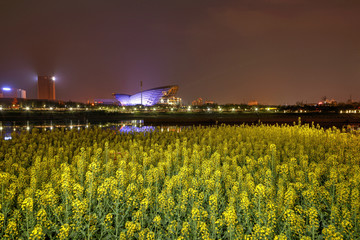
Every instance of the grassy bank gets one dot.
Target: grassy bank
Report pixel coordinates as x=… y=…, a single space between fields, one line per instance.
x=184 y=118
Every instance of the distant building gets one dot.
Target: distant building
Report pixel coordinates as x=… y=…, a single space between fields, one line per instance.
x=106 y=101
x=253 y=103
x=197 y=102
x=46 y=87
x=327 y=102
x=160 y=95
x=209 y=102
x=21 y=93
x=201 y=102
x=7 y=92
x=170 y=100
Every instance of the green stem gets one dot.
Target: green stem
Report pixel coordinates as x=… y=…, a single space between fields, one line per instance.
x=89 y=211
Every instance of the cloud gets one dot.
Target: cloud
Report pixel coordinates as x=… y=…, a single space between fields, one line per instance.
x=279 y=16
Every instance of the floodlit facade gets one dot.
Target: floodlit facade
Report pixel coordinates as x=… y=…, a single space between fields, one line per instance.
x=7 y=92
x=171 y=101
x=149 y=97
x=46 y=87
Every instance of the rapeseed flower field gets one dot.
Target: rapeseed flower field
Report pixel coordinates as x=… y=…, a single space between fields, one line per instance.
x=221 y=182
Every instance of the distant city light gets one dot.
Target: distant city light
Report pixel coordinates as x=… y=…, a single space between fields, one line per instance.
x=27 y=108
x=51 y=108
x=53 y=78
x=6 y=89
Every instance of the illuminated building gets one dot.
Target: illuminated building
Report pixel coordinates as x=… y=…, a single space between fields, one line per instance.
x=253 y=103
x=106 y=101
x=197 y=102
x=170 y=101
x=201 y=102
x=160 y=95
x=7 y=92
x=46 y=87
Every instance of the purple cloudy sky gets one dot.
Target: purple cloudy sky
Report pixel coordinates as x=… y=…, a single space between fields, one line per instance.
x=273 y=51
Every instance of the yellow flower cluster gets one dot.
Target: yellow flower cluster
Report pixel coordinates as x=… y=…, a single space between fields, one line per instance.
x=37 y=233
x=2 y=218
x=64 y=232
x=11 y=231
x=221 y=182
x=331 y=233
x=108 y=221
x=27 y=204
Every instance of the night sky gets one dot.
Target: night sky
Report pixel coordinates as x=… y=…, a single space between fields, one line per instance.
x=272 y=51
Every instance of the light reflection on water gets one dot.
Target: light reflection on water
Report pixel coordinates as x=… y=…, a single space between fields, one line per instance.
x=128 y=126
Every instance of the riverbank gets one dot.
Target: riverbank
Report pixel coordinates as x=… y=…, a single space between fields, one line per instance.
x=184 y=118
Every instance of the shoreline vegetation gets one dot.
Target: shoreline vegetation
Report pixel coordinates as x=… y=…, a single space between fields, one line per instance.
x=167 y=118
